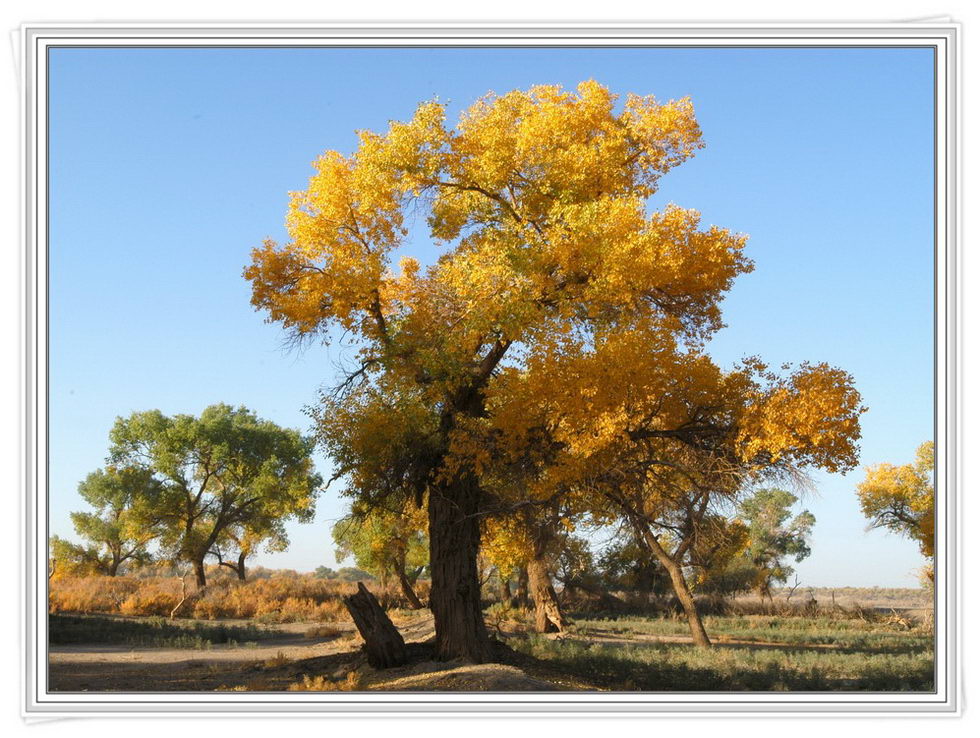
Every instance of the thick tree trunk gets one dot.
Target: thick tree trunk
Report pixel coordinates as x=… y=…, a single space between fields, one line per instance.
x=548 y=617
x=199 y=575
x=679 y=584
x=413 y=599
x=454 y=542
x=240 y=570
x=383 y=644
x=113 y=568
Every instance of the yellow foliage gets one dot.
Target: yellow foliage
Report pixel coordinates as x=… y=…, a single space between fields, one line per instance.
x=560 y=331
x=902 y=498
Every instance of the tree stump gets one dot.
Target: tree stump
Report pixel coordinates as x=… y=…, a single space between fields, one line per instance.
x=383 y=644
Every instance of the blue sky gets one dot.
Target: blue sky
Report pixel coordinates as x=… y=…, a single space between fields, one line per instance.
x=169 y=165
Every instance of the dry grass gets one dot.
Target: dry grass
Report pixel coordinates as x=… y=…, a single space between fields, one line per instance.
x=320 y=683
x=324 y=631
x=280 y=659
x=277 y=599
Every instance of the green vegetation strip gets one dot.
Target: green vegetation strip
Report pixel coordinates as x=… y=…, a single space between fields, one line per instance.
x=867 y=661
x=150 y=632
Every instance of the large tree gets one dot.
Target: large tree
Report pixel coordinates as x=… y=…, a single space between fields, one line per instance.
x=537 y=199
x=903 y=499
x=222 y=472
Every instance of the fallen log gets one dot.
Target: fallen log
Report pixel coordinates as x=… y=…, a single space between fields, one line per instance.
x=383 y=644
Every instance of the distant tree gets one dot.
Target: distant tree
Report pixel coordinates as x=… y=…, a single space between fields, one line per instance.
x=774 y=537
x=117 y=531
x=73 y=559
x=324 y=572
x=239 y=542
x=222 y=472
x=625 y=565
x=391 y=545
x=903 y=499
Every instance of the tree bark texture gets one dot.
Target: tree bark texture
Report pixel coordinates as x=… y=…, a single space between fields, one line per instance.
x=454 y=542
x=505 y=593
x=521 y=598
x=199 y=575
x=548 y=617
x=383 y=644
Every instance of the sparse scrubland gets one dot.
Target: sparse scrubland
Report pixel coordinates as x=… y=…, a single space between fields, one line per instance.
x=289 y=632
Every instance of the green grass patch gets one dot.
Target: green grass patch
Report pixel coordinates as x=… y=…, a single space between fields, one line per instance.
x=154 y=632
x=819 y=654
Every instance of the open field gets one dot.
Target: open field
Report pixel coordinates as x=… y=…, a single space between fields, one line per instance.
x=884 y=647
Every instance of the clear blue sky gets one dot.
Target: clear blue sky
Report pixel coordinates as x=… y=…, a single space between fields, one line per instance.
x=168 y=166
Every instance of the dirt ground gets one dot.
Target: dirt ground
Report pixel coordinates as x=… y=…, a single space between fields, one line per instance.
x=273 y=664
x=285 y=658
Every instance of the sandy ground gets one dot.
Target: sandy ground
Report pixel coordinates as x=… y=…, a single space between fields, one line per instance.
x=272 y=665
x=275 y=663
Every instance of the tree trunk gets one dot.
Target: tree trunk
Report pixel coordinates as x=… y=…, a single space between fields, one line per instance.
x=113 y=567
x=505 y=594
x=681 y=590
x=240 y=570
x=199 y=575
x=522 y=585
x=413 y=599
x=454 y=542
x=383 y=644
x=548 y=617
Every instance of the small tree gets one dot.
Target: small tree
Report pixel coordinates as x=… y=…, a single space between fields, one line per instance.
x=774 y=537
x=219 y=473
x=116 y=531
x=532 y=539
x=903 y=499
x=388 y=545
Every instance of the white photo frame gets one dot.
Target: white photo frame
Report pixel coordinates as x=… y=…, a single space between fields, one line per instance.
x=943 y=37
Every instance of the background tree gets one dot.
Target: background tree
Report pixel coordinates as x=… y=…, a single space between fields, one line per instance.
x=224 y=471
x=774 y=537
x=717 y=554
x=343 y=574
x=625 y=565
x=903 y=499
x=238 y=542
x=72 y=559
x=533 y=539
x=390 y=545
x=117 y=531
x=662 y=439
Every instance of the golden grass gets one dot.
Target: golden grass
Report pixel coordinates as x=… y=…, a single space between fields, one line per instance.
x=275 y=599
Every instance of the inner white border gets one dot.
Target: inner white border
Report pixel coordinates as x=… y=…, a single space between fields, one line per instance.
x=37 y=38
